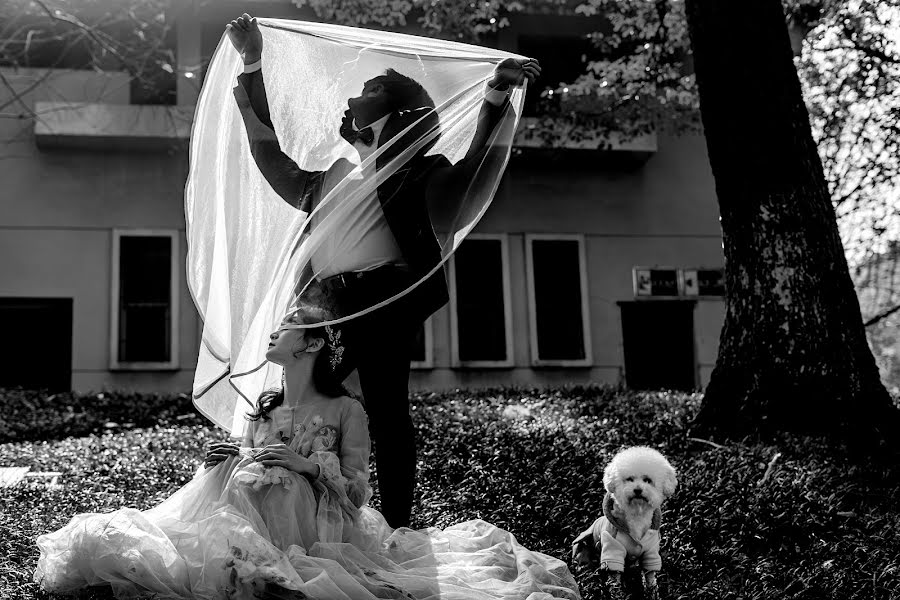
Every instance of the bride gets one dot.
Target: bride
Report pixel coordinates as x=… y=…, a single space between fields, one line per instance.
x=285 y=514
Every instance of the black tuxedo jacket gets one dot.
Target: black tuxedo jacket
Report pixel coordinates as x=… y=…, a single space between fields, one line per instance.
x=404 y=196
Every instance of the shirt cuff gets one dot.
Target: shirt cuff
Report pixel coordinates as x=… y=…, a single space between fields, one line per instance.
x=254 y=66
x=495 y=96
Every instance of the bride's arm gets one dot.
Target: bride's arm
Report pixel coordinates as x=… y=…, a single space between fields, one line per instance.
x=354 y=453
x=247 y=440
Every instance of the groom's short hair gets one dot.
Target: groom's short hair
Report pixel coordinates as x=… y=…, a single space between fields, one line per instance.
x=405 y=92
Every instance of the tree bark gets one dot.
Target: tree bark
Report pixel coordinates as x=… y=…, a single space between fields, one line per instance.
x=793 y=354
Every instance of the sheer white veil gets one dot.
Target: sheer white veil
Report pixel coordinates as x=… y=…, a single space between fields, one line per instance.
x=252 y=255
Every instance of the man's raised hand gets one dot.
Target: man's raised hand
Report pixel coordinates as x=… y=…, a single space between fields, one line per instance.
x=515 y=71
x=246 y=38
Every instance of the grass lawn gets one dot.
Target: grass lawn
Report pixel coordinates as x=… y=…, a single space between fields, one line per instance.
x=818 y=526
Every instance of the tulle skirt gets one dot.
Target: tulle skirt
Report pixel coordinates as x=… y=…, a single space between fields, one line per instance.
x=236 y=531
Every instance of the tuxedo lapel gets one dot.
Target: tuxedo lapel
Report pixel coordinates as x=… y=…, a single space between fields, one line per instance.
x=402 y=194
x=402 y=198
x=425 y=120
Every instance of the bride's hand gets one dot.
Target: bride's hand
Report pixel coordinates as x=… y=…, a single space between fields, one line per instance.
x=219 y=451
x=279 y=455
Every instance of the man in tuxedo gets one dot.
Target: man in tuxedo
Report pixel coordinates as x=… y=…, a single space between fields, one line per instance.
x=391 y=239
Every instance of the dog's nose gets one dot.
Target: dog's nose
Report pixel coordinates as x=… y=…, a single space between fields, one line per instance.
x=638 y=491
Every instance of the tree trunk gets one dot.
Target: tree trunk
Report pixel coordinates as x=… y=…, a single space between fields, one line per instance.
x=793 y=354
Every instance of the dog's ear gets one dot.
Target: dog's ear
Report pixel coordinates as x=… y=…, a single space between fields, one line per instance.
x=670 y=481
x=610 y=478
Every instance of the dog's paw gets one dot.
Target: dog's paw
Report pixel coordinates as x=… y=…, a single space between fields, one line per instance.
x=584 y=558
x=615 y=588
x=651 y=590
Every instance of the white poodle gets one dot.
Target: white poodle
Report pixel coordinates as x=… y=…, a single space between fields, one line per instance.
x=637 y=480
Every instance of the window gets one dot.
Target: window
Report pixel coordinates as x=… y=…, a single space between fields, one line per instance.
x=671 y=282
x=658 y=282
x=704 y=282
x=144 y=300
x=423 y=347
x=558 y=301
x=480 y=317
x=563 y=60
x=35 y=325
x=44 y=43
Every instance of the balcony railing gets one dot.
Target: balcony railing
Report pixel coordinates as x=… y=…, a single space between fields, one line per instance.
x=111 y=126
x=130 y=126
x=534 y=132
x=82 y=109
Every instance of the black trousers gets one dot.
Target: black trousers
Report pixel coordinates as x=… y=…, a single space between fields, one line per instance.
x=379 y=346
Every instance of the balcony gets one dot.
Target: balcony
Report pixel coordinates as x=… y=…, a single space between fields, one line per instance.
x=585 y=130
x=83 y=109
x=87 y=110
x=100 y=126
x=531 y=129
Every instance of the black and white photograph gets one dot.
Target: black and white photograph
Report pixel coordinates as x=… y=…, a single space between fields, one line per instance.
x=450 y=299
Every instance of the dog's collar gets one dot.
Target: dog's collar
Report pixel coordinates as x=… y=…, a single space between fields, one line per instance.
x=609 y=506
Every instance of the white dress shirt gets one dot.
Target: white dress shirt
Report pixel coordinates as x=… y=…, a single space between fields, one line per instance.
x=364 y=240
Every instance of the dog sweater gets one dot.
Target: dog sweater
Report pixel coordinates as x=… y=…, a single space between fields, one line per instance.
x=611 y=537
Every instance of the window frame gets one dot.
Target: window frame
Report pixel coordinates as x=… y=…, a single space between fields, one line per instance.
x=455 y=361
x=536 y=360
x=698 y=295
x=428 y=363
x=174 y=290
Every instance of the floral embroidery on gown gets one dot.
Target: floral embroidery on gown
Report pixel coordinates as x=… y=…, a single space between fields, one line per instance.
x=242 y=530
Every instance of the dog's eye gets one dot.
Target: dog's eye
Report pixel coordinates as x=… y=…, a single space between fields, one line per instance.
x=629 y=479
x=648 y=480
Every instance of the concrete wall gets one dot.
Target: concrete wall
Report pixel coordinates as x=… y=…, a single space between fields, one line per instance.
x=661 y=214
x=57 y=213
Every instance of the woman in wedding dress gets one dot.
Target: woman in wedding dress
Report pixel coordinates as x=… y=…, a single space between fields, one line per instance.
x=285 y=514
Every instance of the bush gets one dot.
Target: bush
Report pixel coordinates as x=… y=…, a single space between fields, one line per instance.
x=35 y=415
x=793 y=517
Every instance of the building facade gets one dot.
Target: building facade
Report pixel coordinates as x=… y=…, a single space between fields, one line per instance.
x=589 y=265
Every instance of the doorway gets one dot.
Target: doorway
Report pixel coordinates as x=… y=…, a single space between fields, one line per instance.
x=658 y=341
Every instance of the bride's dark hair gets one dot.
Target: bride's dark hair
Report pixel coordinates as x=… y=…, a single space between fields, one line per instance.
x=323 y=376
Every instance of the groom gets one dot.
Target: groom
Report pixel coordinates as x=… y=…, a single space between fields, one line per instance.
x=393 y=246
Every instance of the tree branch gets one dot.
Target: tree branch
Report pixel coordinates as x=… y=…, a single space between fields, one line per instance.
x=881 y=316
x=58 y=15
x=869 y=50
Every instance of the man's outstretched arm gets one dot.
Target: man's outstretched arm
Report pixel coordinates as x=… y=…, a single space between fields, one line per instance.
x=289 y=181
x=512 y=72
x=495 y=120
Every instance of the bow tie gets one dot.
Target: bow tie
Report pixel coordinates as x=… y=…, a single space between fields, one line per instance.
x=364 y=135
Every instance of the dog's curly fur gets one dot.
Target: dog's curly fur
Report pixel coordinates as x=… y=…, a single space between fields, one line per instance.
x=637 y=480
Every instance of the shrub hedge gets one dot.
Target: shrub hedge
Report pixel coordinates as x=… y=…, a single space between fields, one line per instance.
x=35 y=415
x=793 y=517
